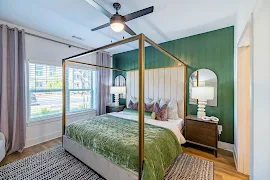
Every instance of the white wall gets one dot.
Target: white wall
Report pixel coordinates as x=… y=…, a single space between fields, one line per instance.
x=43 y=50
x=260 y=161
x=42 y=131
x=245 y=8
x=244 y=11
x=260 y=45
x=46 y=51
x=50 y=52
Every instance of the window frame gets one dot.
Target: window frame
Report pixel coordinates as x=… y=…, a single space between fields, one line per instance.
x=56 y=117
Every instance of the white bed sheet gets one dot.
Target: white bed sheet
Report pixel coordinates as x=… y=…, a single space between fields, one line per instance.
x=175 y=126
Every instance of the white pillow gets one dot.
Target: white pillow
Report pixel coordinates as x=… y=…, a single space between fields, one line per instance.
x=172 y=110
x=149 y=101
x=134 y=99
x=162 y=102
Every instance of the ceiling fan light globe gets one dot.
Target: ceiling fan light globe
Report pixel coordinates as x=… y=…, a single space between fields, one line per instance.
x=117 y=26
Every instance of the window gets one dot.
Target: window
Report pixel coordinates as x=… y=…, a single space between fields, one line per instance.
x=80 y=90
x=45 y=90
x=39 y=70
x=52 y=71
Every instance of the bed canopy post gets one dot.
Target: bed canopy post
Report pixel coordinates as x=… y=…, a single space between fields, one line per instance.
x=141 y=61
x=63 y=98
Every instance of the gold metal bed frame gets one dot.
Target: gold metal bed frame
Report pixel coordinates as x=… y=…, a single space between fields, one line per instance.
x=141 y=64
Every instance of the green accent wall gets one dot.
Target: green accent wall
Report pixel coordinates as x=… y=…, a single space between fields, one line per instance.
x=212 y=50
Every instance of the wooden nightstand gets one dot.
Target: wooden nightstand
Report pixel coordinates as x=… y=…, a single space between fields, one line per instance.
x=201 y=132
x=112 y=108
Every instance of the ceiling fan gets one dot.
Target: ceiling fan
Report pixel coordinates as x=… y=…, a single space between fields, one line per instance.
x=117 y=21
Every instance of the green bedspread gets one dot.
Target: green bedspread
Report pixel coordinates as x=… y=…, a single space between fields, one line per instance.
x=117 y=140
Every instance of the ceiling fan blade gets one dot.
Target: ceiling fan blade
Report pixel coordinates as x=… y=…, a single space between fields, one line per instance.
x=99 y=7
x=129 y=31
x=100 y=27
x=140 y=13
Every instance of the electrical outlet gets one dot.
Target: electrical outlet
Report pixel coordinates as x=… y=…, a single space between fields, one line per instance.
x=219 y=129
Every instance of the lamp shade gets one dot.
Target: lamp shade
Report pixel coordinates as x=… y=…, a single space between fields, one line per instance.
x=116 y=90
x=123 y=89
x=202 y=93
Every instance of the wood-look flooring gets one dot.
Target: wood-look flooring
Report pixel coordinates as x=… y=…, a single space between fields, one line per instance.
x=224 y=167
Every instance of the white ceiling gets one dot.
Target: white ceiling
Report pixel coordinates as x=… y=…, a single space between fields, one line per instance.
x=171 y=19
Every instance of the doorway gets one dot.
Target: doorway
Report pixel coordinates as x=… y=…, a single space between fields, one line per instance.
x=244 y=101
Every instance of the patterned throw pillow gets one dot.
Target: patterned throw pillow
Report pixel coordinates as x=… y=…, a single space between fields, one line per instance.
x=148 y=107
x=132 y=105
x=161 y=112
x=173 y=110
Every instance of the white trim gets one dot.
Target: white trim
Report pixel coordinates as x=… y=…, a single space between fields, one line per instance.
x=226 y=146
x=48 y=63
x=243 y=131
x=235 y=157
x=44 y=120
x=59 y=118
x=46 y=136
x=38 y=140
x=56 y=64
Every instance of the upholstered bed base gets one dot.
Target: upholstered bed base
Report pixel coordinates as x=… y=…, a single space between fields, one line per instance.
x=98 y=163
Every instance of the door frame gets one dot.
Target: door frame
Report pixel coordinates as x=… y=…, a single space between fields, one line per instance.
x=243 y=164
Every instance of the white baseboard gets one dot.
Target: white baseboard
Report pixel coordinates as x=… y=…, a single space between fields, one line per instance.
x=35 y=141
x=235 y=157
x=226 y=146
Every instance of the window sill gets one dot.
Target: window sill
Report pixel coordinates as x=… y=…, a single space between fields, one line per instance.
x=59 y=118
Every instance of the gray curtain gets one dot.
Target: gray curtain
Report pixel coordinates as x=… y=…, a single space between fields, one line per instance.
x=103 y=96
x=12 y=88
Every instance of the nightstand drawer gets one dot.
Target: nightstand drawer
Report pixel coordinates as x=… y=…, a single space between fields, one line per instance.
x=201 y=135
x=201 y=124
x=201 y=131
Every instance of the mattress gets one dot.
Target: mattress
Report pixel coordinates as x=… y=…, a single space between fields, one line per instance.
x=116 y=139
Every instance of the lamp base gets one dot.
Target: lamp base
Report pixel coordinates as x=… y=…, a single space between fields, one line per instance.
x=201 y=108
x=116 y=99
x=200 y=114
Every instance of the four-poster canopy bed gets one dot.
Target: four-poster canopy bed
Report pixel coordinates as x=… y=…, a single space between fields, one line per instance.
x=99 y=162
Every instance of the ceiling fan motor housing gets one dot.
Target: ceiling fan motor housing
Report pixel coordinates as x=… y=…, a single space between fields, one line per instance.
x=116 y=18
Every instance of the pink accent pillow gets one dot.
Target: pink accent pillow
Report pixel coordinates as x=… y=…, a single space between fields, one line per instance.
x=161 y=113
x=132 y=105
x=148 y=107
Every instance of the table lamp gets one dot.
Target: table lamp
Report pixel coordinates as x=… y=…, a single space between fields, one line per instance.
x=116 y=90
x=124 y=90
x=202 y=94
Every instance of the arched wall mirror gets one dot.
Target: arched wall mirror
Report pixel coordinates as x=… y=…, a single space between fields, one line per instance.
x=120 y=80
x=201 y=78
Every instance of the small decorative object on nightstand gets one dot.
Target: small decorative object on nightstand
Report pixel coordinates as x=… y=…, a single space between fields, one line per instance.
x=113 y=108
x=201 y=132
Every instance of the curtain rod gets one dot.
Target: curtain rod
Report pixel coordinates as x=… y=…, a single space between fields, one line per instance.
x=31 y=34
x=55 y=41
x=61 y=42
